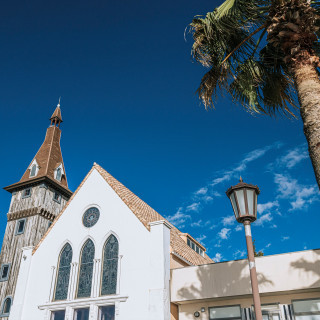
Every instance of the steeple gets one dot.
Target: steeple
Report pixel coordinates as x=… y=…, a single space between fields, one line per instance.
x=48 y=163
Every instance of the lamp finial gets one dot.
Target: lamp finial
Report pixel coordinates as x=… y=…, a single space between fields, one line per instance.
x=241 y=179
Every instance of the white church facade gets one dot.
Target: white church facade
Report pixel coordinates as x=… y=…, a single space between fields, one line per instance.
x=103 y=253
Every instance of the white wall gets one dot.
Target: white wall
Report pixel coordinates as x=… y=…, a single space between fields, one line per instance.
x=136 y=246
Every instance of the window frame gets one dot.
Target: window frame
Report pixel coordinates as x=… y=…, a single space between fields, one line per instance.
x=3 y=305
x=75 y=310
x=17 y=226
x=24 y=196
x=304 y=313
x=8 y=273
x=59 y=197
x=53 y=311
x=227 y=306
x=35 y=171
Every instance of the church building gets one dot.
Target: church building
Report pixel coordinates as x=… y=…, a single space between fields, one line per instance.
x=101 y=253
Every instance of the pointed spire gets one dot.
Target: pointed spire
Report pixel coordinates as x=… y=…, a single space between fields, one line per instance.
x=56 y=117
x=240 y=179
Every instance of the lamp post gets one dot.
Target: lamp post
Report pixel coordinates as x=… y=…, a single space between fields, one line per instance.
x=243 y=199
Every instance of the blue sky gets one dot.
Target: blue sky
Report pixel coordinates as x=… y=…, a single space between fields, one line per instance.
x=128 y=85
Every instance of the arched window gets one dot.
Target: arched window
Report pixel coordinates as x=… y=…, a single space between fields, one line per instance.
x=110 y=266
x=58 y=174
x=86 y=270
x=33 y=170
x=63 y=276
x=6 y=306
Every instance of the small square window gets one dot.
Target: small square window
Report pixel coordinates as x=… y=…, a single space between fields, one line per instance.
x=4 y=272
x=81 y=314
x=57 y=197
x=106 y=313
x=26 y=193
x=20 y=226
x=58 y=315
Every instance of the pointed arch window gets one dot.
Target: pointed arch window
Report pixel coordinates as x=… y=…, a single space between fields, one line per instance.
x=6 y=306
x=63 y=276
x=110 y=266
x=86 y=270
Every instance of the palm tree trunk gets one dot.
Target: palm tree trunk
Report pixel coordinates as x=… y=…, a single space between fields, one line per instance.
x=308 y=88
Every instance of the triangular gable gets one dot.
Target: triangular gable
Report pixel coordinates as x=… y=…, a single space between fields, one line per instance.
x=144 y=213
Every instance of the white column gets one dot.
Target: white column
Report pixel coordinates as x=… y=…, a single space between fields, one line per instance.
x=22 y=283
x=73 y=280
x=53 y=281
x=159 y=296
x=95 y=278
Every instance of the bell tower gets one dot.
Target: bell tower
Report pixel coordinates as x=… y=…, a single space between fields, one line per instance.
x=36 y=200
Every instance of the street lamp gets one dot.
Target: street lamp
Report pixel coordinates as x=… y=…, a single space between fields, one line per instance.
x=243 y=199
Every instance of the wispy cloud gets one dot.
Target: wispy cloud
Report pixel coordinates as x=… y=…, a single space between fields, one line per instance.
x=293 y=157
x=197 y=223
x=193 y=207
x=261 y=208
x=224 y=233
x=284 y=238
x=239 y=254
x=228 y=221
x=263 y=219
x=238 y=227
x=179 y=218
x=217 y=257
x=201 y=238
x=299 y=195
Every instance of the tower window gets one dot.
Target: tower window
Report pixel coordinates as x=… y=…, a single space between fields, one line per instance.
x=33 y=170
x=4 y=273
x=26 y=193
x=57 y=197
x=58 y=174
x=6 y=306
x=20 y=226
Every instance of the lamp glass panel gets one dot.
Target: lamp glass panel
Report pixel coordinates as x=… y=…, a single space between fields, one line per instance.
x=250 y=195
x=234 y=204
x=240 y=198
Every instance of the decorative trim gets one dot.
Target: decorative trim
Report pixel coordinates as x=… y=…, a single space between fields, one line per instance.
x=99 y=301
x=30 y=212
x=181 y=258
x=164 y=222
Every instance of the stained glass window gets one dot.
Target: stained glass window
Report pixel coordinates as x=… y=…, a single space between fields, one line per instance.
x=110 y=266
x=63 y=273
x=86 y=270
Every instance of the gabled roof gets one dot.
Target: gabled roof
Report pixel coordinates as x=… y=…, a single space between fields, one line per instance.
x=145 y=214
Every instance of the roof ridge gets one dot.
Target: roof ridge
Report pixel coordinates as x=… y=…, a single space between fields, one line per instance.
x=176 y=242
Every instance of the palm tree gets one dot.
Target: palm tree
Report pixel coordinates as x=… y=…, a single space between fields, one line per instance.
x=265 y=54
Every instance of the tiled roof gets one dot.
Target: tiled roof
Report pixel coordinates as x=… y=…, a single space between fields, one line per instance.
x=57 y=113
x=49 y=156
x=144 y=213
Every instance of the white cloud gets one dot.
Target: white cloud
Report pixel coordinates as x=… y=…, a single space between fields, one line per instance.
x=228 y=221
x=197 y=224
x=284 y=238
x=261 y=208
x=217 y=257
x=202 y=191
x=300 y=196
x=293 y=157
x=224 y=233
x=268 y=245
x=238 y=227
x=239 y=254
x=179 y=218
x=193 y=207
x=201 y=238
x=263 y=219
